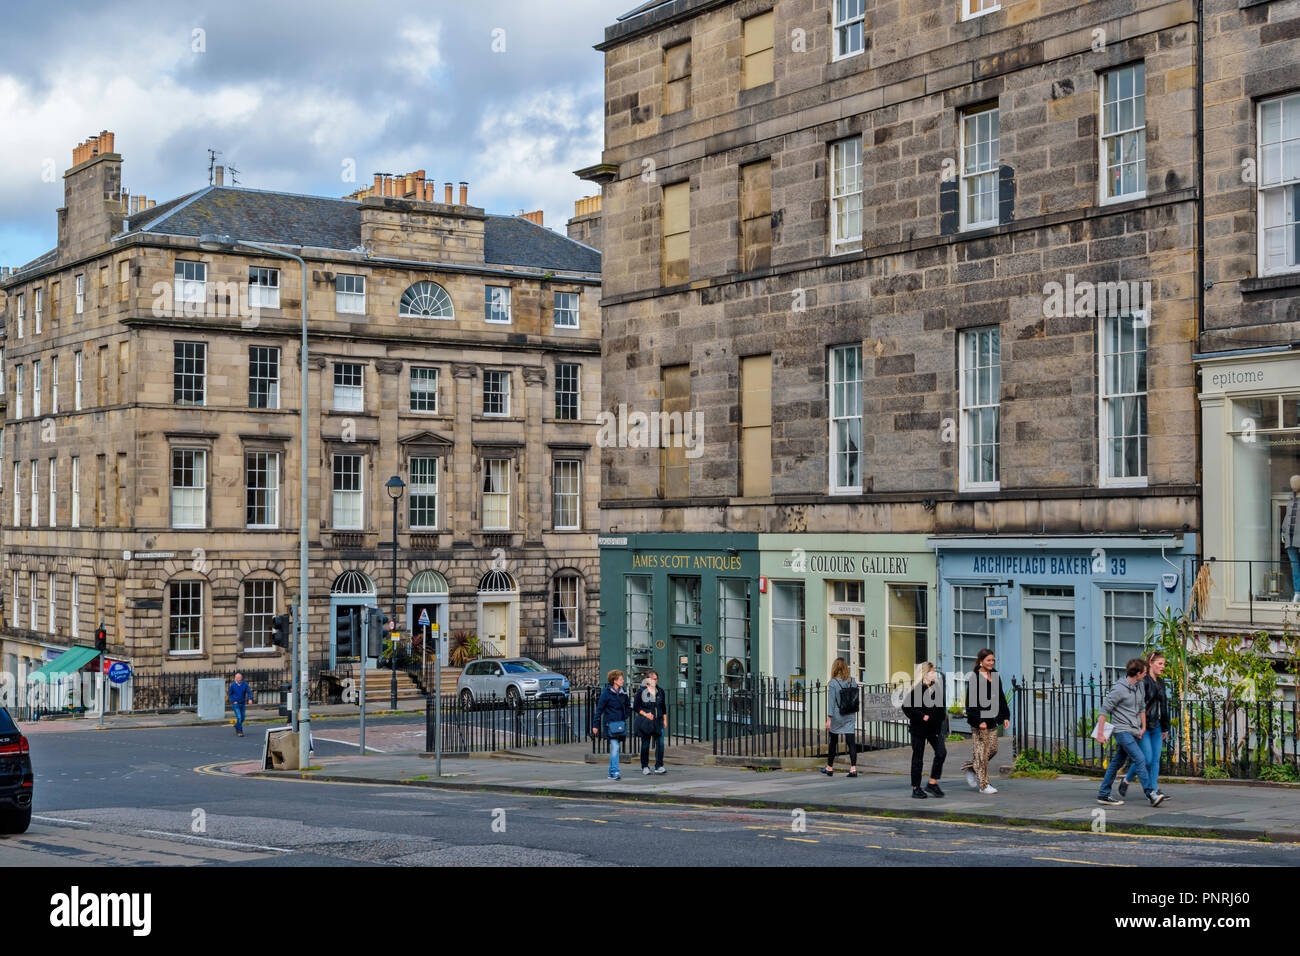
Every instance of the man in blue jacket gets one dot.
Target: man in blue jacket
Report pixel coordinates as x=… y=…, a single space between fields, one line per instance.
x=240 y=694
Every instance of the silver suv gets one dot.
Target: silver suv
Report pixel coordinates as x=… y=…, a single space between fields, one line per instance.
x=512 y=680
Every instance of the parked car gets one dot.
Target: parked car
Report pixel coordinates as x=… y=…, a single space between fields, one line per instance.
x=512 y=680
x=16 y=778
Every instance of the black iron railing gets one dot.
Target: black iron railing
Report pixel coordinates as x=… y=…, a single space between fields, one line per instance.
x=180 y=690
x=491 y=724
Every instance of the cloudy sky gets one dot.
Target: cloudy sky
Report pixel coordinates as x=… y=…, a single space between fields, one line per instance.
x=505 y=94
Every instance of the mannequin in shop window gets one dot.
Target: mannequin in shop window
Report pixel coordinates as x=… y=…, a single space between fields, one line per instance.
x=1291 y=536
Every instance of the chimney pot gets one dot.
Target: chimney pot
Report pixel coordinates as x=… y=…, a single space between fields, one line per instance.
x=464 y=193
x=447 y=194
x=408 y=185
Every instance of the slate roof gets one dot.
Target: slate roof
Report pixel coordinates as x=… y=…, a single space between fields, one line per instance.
x=643 y=8
x=325 y=223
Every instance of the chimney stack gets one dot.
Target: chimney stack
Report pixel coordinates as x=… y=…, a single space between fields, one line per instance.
x=220 y=174
x=447 y=196
x=533 y=216
x=464 y=193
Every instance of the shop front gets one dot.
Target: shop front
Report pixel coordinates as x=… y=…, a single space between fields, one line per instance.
x=868 y=598
x=1056 y=610
x=1250 y=426
x=682 y=605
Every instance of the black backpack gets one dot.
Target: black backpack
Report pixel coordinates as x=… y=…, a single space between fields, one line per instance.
x=848 y=699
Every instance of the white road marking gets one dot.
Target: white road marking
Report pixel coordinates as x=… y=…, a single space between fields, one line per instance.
x=348 y=743
x=166 y=833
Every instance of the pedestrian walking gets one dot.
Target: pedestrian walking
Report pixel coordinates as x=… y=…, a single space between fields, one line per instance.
x=650 y=706
x=611 y=717
x=240 y=694
x=927 y=723
x=1157 y=726
x=1125 y=705
x=986 y=707
x=842 y=696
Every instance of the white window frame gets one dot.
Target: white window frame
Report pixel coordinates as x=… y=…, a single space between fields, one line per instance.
x=350 y=294
x=502 y=375
x=557 y=598
x=54 y=492
x=19 y=385
x=576 y=392
x=190 y=283
x=38 y=308
x=54 y=385
x=977 y=173
x=199 y=467
x=273 y=387
x=79 y=291
x=194 y=352
x=356 y=496
x=1266 y=187
x=422 y=486
x=35 y=516
x=348 y=397
x=36 y=388
x=1138 y=130
x=20 y=311
x=18 y=493
x=839 y=413
x=502 y=492
x=188 y=584
x=76 y=391
x=15 y=614
x=52 y=603
x=967 y=408
x=76 y=492
x=842 y=20
x=1105 y=396
x=1108 y=595
x=33 y=602
x=271 y=489
x=558 y=496
x=845 y=171
x=263 y=610
x=496 y=304
x=263 y=287
x=567 y=304
x=967 y=14
x=74 y=605
x=428 y=388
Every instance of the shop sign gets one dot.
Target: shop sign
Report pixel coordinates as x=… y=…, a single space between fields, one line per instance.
x=846 y=564
x=842 y=607
x=687 y=562
x=1062 y=564
x=996 y=606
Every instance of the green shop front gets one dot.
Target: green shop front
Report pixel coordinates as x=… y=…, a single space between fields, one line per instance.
x=681 y=605
x=869 y=598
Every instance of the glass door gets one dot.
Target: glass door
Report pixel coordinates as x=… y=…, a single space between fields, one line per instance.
x=851 y=645
x=1049 y=635
x=686 y=692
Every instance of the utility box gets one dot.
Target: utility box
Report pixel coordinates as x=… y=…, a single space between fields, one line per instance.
x=281 y=750
x=286 y=699
x=212 y=698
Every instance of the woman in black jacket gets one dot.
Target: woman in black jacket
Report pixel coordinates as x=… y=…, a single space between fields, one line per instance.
x=927 y=722
x=650 y=707
x=1152 y=742
x=986 y=707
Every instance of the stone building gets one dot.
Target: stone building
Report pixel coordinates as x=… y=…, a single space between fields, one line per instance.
x=152 y=451
x=919 y=281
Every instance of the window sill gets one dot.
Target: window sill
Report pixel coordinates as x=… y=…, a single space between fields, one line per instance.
x=1268 y=283
x=1126 y=197
x=1125 y=483
x=967 y=17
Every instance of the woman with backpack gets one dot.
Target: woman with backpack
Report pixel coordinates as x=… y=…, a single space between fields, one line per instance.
x=615 y=707
x=927 y=723
x=841 y=716
x=650 y=705
x=986 y=707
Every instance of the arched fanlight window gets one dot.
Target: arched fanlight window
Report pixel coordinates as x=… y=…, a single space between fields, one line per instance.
x=426 y=300
x=353 y=582
x=428 y=582
x=496 y=582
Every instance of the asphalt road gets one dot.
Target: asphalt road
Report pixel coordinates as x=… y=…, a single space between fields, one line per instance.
x=137 y=797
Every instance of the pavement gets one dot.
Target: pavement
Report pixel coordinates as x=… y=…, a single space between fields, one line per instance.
x=256 y=715
x=1202 y=809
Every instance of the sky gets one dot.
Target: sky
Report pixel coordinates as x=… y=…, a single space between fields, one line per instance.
x=504 y=94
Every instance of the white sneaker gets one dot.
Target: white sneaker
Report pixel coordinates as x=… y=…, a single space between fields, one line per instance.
x=972 y=780
x=646 y=771
x=988 y=789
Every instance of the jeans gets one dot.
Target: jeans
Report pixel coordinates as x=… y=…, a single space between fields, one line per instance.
x=850 y=741
x=919 y=740
x=645 y=750
x=1126 y=743
x=615 y=744
x=239 y=707
x=1151 y=743
x=1294 y=555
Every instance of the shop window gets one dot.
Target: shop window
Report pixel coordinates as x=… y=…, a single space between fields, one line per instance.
x=909 y=633
x=734 y=631
x=639 y=625
x=1265 y=456
x=686 y=601
x=789 y=649
x=756 y=426
x=971 y=630
x=846 y=592
x=1127 y=616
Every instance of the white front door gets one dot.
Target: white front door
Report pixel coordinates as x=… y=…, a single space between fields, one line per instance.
x=496 y=624
x=851 y=645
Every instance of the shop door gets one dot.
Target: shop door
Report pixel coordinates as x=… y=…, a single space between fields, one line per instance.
x=1050 y=644
x=850 y=644
x=686 y=694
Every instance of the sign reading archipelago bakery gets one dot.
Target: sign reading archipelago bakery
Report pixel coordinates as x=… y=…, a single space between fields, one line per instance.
x=687 y=562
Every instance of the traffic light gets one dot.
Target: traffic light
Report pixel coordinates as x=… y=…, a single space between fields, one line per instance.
x=345 y=638
x=374 y=632
x=101 y=638
x=282 y=631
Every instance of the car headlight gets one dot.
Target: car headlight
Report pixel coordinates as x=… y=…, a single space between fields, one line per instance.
x=529 y=682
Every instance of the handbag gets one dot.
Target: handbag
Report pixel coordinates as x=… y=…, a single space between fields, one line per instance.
x=616 y=729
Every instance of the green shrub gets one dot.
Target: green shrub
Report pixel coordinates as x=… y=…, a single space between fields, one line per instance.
x=1280 y=773
x=1214 y=772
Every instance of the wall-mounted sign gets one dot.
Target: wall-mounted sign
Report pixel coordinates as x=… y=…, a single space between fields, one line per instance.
x=119 y=672
x=611 y=542
x=996 y=606
x=149 y=555
x=848 y=608
x=687 y=562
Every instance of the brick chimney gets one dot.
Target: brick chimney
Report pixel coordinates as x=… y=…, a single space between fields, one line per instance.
x=92 y=197
x=532 y=216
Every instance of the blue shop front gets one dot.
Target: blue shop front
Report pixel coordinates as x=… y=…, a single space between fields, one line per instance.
x=1056 y=609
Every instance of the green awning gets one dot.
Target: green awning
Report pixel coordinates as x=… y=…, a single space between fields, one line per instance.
x=69 y=662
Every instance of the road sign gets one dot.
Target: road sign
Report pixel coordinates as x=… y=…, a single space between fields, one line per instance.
x=424 y=617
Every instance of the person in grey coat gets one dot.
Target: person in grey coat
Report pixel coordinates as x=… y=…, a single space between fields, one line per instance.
x=839 y=723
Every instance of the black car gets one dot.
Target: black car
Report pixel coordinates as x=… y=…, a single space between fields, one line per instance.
x=16 y=778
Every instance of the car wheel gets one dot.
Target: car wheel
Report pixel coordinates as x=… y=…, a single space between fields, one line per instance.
x=16 y=821
x=466 y=700
x=512 y=697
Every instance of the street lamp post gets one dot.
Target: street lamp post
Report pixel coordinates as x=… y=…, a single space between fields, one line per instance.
x=395 y=487
x=213 y=243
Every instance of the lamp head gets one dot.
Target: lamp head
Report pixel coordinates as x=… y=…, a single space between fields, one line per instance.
x=396 y=487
